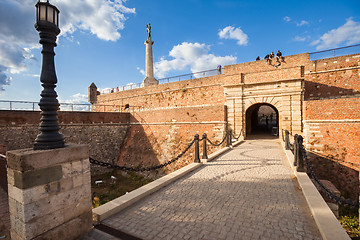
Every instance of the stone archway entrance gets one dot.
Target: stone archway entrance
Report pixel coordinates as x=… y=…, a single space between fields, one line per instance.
x=262 y=119
x=244 y=100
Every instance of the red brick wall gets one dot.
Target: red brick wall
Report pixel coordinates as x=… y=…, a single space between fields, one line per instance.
x=185 y=93
x=168 y=117
x=332 y=102
x=332 y=120
x=331 y=92
x=103 y=132
x=331 y=109
x=157 y=136
x=262 y=66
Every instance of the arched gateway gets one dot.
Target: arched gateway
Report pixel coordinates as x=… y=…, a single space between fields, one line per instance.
x=245 y=100
x=262 y=118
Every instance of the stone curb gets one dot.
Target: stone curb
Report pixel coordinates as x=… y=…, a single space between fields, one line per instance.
x=107 y=210
x=327 y=223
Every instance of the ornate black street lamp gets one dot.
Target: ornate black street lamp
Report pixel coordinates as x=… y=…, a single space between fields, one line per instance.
x=47 y=24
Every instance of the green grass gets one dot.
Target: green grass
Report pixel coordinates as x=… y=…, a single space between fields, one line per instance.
x=110 y=189
x=349 y=219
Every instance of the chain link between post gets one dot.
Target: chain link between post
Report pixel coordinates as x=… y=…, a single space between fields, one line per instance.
x=132 y=169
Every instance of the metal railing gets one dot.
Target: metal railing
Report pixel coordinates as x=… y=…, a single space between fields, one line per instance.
x=83 y=107
x=334 y=52
x=188 y=76
x=34 y=106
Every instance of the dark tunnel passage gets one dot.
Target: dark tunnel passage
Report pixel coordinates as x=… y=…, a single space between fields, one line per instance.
x=262 y=119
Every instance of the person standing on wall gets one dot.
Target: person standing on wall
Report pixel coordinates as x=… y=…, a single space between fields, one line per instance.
x=219 y=69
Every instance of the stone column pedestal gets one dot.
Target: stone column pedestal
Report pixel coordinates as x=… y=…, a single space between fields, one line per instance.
x=149 y=70
x=50 y=193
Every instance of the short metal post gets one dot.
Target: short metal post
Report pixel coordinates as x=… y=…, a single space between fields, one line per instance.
x=230 y=138
x=227 y=138
x=204 y=155
x=300 y=160
x=287 y=140
x=296 y=149
x=197 y=156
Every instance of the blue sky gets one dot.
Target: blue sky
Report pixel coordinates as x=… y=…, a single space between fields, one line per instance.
x=102 y=41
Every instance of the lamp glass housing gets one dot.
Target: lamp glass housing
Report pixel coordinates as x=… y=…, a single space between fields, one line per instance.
x=47 y=12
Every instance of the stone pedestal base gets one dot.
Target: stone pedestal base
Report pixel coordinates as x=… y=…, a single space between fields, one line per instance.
x=50 y=193
x=148 y=81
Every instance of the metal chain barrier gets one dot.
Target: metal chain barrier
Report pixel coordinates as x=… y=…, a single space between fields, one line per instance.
x=197 y=155
x=330 y=194
x=131 y=169
x=237 y=138
x=216 y=145
x=299 y=152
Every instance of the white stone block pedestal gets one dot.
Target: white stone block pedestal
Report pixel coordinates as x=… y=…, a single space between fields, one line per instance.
x=50 y=193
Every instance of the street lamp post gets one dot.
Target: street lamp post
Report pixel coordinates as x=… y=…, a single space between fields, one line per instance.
x=47 y=24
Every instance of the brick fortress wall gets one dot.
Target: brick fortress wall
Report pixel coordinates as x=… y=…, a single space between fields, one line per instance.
x=326 y=111
x=103 y=132
x=167 y=118
x=332 y=120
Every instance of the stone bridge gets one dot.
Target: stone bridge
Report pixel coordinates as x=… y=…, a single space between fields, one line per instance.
x=248 y=192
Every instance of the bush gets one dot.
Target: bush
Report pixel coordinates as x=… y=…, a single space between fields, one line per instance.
x=351 y=225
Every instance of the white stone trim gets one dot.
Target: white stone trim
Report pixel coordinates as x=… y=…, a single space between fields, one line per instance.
x=333 y=70
x=177 y=123
x=332 y=121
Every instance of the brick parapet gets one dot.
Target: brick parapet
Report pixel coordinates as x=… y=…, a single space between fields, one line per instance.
x=263 y=66
x=347 y=61
x=172 y=87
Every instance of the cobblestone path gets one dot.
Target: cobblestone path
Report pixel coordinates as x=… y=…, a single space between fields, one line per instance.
x=247 y=193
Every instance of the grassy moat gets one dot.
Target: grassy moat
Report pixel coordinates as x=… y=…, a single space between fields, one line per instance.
x=114 y=184
x=349 y=219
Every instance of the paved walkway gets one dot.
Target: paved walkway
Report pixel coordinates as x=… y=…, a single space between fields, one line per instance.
x=247 y=193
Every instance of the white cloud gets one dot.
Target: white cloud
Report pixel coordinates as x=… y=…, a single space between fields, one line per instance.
x=75 y=103
x=4 y=79
x=230 y=32
x=302 y=23
x=301 y=39
x=287 y=19
x=103 y=18
x=142 y=71
x=348 y=33
x=77 y=98
x=193 y=55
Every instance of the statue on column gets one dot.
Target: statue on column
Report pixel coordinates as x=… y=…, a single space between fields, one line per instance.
x=148 y=29
x=149 y=65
